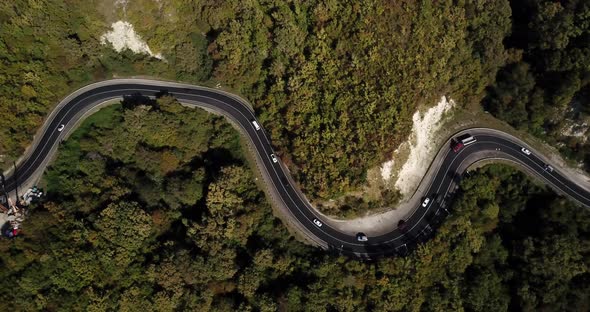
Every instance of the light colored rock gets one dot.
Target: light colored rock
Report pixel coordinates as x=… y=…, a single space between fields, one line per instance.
x=419 y=143
x=386 y=170
x=123 y=36
x=576 y=129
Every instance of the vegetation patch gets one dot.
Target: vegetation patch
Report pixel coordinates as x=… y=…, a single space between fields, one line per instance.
x=335 y=96
x=544 y=89
x=187 y=229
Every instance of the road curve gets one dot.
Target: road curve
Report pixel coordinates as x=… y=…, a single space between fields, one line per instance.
x=420 y=223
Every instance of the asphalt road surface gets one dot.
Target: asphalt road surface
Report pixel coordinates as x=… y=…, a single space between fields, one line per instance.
x=420 y=224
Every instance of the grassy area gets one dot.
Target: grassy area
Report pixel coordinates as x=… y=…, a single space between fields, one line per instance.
x=107 y=117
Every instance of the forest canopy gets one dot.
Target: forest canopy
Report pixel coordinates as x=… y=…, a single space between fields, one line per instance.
x=184 y=228
x=546 y=89
x=139 y=217
x=335 y=82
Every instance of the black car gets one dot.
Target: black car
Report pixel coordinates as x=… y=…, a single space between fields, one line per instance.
x=361 y=237
x=402 y=226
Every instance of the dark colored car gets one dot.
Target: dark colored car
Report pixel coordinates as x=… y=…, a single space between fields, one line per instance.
x=361 y=237
x=402 y=225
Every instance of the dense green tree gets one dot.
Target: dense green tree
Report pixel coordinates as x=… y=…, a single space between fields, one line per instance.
x=48 y=48
x=336 y=96
x=510 y=96
x=543 y=91
x=139 y=216
x=149 y=239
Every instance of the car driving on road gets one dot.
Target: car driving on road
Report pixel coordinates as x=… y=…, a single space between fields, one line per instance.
x=255 y=124
x=361 y=237
x=526 y=151
x=317 y=222
x=274 y=158
x=61 y=127
x=462 y=141
x=548 y=168
x=425 y=202
x=402 y=226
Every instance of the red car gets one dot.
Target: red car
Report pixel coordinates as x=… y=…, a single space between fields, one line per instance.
x=457 y=146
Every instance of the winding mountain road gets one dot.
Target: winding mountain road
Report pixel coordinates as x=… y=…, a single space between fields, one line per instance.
x=420 y=223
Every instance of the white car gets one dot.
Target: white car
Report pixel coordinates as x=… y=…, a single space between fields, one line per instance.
x=317 y=222
x=361 y=237
x=425 y=202
x=525 y=151
x=61 y=127
x=549 y=168
x=274 y=158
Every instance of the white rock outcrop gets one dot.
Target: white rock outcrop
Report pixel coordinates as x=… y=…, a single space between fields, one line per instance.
x=123 y=36
x=420 y=147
